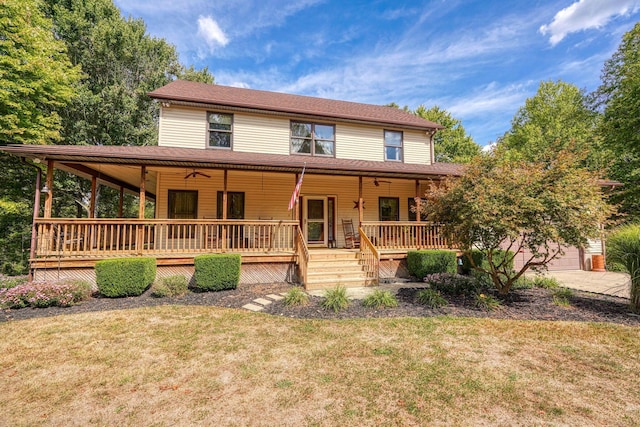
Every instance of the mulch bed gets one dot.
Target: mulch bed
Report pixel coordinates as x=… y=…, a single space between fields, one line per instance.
x=522 y=304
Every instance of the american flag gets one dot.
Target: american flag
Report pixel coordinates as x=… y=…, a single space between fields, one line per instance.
x=296 y=191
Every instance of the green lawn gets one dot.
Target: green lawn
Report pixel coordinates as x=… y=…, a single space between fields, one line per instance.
x=211 y=366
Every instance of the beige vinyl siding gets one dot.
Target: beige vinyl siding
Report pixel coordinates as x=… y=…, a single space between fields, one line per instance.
x=359 y=142
x=417 y=148
x=267 y=195
x=181 y=127
x=260 y=134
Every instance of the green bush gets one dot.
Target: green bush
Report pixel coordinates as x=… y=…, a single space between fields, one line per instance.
x=380 y=299
x=480 y=259
x=172 y=286
x=561 y=297
x=623 y=249
x=296 y=296
x=217 y=272
x=454 y=284
x=335 y=299
x=45 y=294
x=486 y=302
x=546 y=282
x=125 y=276
x=8 y=282
x=431 y=298
x=422 y=263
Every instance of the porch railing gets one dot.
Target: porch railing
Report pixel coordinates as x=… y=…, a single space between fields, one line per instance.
x=370 y=258
x=77 y=238
x=387 y=235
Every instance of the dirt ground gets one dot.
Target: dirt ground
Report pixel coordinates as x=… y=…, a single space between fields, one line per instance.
x=524 y=304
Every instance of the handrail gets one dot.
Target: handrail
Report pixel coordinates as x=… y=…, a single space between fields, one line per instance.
x=403 y=235
x=303 y=255
x=62 y=238
x=370 y=258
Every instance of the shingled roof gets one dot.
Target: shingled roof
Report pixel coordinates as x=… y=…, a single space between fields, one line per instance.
x=217 y=95
x=223 y=159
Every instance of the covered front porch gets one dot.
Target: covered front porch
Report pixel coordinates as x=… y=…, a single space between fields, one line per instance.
x=208 y=202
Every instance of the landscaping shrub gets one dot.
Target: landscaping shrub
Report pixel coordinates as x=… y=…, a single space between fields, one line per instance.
x=7 y=282
x=546 y=282
x=486 y=302
x=561 y=296
x=172 y=286
x=454 y=284
x=623 y=249
x=44 y=294
x=422 y=263
x=296 y=296
x=125 y=277
x=217 y=272
x=480 y=259
x=335 y=299
x=380 y=299
x=431 y=298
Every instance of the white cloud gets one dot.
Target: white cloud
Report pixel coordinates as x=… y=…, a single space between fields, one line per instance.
x=211 y=32
x=586 y=14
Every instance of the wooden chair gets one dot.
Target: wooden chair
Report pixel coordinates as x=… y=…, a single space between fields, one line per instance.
x=351 y=239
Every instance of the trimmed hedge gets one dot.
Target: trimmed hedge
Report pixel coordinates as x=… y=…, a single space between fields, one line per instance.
x=217 y=272
x=422 y=263
x=480 y=259
x=125 y=277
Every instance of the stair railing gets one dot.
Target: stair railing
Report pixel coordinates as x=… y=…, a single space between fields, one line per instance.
x=303 y=255
x=370 y=258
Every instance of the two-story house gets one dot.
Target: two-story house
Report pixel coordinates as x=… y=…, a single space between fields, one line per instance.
x=223 y=177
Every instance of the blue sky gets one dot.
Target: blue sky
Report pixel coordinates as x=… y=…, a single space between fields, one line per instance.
x=478 y=59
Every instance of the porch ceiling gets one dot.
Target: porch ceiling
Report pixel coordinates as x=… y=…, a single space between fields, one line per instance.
x=117 y=161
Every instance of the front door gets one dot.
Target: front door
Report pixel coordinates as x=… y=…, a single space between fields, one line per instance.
x=315 y=220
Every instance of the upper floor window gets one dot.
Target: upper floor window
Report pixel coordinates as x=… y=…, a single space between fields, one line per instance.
x=393 y=145
x=220 y=130
x=314 y=139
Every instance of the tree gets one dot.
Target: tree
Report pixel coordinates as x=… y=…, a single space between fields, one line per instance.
x=558 y=116
x=451 y=144
x=121 y=64
x=37 y=76
x=619 y=98
x=501 y=203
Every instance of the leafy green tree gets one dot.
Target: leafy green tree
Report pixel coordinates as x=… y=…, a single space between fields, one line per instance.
x=37 y=76
x=558 y=116
x=501 y=203
x=619 y=98
x=451 y=144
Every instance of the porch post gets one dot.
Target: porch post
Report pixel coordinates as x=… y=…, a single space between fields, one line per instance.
x=296 y=205
x=121 y=202
x=36 y=213
x=143 y=176
x=92 y=200
x=225 y=202
x=48 y=203
x=418 y=202
x=140 y=227
x=360 y=203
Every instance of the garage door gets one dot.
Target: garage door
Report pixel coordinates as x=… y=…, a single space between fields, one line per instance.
x=569 y=261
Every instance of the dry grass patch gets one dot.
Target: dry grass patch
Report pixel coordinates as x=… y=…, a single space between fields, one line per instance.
x=203 y=365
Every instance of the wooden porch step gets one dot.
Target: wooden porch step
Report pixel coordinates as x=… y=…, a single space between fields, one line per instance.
x=332 y=282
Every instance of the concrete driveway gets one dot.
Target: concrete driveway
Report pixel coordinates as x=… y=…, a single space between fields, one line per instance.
x=607 y=282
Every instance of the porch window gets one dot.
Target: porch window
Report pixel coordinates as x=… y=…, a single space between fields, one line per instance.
x=235 y=205
x=412 y=206
x=183 y=204
x=393 y=145
x=313 y=139
x=389 y=208
x=220 y=130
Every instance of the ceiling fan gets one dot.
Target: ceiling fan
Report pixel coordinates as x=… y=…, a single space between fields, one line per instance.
x=377 y=182
x=194 y=173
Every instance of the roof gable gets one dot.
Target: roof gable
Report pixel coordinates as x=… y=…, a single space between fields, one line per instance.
x=181 y=90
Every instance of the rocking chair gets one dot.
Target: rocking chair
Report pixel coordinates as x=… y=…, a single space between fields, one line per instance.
x=351 y=239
